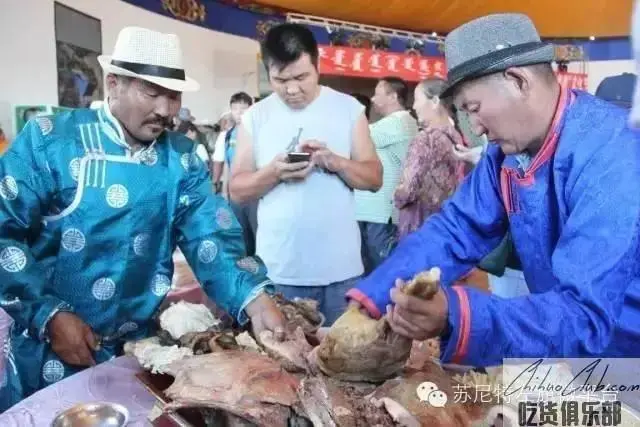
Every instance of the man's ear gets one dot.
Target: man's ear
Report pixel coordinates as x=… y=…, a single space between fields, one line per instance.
x=111 y=84
x=520 y=78
x=111 y=81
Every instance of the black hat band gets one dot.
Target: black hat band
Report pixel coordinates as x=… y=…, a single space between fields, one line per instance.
x=151 y=70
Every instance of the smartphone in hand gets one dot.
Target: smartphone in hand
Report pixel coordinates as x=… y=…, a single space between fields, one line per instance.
x=298 y=157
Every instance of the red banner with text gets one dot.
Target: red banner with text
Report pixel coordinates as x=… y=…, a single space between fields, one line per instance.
x=374 y=64
x=367 y=63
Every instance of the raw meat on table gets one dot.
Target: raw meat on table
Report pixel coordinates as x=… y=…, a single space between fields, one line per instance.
x=234 y=380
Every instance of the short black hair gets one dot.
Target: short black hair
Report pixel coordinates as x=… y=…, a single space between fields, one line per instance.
x=286 y=43
x=186 y=127
x=28 y=111
x=241 y=98
x=399 y=87
x=364 y=100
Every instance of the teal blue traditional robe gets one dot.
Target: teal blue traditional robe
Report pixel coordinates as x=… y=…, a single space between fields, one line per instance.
x=88 y=226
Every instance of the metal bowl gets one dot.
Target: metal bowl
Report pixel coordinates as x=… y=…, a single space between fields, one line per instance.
x=97 y=414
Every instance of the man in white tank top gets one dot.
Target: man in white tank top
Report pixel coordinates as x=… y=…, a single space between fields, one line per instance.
x=307 y=234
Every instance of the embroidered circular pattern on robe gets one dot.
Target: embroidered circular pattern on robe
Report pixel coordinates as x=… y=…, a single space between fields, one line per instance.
x=8 y=188
x=73 y=240
x=207 y=251
x=117 y=196
x=160 y=285
x=141 y=244
x=185 y=160
x=74 y=168
x=46 y=125
x=103 y=289
x=149 y=157
x=53 y=371
x=224 y=218
x=249 y=264
x=13 y=259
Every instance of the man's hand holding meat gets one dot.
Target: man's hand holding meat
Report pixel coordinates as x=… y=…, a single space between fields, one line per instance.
x=266 y=316
x=554 y=176
x=417 y=318
x=413 y=317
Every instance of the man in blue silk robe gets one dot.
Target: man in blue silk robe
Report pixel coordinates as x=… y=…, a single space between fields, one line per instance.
x=562 y=176
x=92 y=206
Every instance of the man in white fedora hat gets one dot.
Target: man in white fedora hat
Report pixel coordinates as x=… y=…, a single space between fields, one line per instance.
x=92 y=206
x=561 y=174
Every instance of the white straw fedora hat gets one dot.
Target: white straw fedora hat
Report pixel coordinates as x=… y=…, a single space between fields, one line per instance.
x=151 y=56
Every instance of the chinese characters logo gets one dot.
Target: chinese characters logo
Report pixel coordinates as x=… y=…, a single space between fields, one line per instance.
x=569 y=413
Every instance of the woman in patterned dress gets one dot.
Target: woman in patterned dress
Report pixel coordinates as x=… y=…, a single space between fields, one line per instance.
x=431 y=172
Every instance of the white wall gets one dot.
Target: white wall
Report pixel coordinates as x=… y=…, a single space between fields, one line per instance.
x=221 y=63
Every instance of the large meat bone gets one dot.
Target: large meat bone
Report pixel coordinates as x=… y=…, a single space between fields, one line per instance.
x=248 y=385
x=424 y=285
x=291 y=353
x=300 y=312
x=358 y=348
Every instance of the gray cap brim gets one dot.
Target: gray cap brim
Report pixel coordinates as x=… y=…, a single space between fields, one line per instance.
x=497 y=61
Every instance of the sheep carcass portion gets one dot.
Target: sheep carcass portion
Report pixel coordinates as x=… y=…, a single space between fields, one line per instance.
x=358 y=348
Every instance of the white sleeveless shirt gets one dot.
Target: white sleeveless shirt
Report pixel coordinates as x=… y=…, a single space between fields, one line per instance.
x=307 y=232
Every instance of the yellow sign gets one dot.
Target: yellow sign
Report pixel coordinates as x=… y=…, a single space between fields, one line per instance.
x=190 y=10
